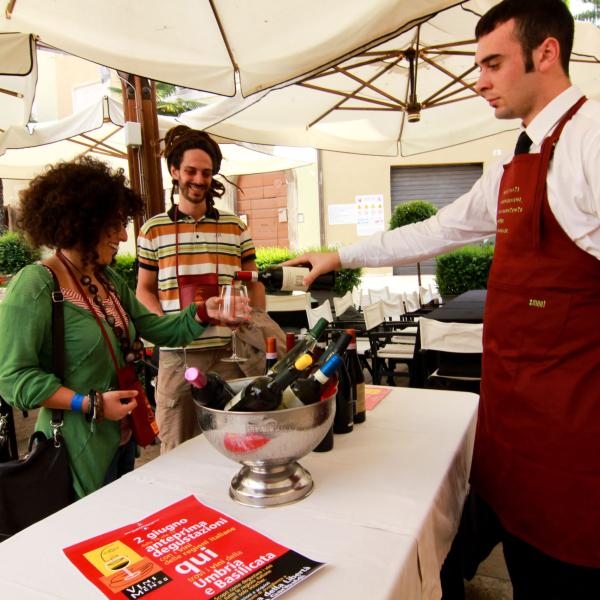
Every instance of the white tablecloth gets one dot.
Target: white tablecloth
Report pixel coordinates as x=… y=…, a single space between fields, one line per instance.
x=382 y=515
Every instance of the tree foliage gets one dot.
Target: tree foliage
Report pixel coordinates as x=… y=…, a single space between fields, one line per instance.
x=592 y=14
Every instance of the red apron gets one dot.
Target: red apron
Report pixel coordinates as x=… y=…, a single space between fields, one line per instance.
x=537 y=448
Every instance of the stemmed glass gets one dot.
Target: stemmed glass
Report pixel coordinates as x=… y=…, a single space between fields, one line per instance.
x=234 y=303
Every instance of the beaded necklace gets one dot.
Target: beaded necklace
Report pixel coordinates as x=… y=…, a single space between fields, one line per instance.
x=130 y=351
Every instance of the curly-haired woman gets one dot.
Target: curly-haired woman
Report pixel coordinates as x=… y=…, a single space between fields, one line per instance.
x=80 y=210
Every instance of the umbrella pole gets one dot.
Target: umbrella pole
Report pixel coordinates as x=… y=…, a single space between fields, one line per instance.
x=139 y=104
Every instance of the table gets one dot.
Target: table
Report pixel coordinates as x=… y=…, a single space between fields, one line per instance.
x=466 y=308
x=382 y=515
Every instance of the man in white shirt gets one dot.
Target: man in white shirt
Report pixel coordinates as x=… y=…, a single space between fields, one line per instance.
x=536 y=464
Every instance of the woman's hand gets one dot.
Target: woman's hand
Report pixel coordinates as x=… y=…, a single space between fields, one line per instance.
x=118 y=404
x=213 y=309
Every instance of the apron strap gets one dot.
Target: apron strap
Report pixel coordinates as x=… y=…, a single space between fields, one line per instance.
x=547 y=152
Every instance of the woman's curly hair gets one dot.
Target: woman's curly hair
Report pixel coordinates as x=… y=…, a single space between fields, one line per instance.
x=73 y=203
x=181 y=138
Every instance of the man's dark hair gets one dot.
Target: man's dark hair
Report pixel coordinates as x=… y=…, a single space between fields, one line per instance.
x=535 y=20
x=182 y=138
x=73 y=203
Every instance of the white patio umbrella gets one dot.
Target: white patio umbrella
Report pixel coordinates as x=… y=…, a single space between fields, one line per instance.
x=18 y=78
x=98 y=129
x=202 y=44
x=409 y=95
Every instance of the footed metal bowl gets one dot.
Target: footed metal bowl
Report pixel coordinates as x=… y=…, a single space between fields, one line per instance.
x=268 y=445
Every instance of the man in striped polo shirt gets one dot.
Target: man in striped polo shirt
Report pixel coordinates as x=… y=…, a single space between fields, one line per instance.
x=191 y=249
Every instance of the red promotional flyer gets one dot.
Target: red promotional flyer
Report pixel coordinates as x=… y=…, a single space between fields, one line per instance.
x=189 y=550
x=374 y=394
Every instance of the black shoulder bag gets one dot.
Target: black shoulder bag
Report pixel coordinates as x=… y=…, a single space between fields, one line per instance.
x=39 y=484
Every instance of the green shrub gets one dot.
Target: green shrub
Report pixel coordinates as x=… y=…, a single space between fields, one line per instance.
x=345 y=279
x=464 y=269
x=272 y=255
x=126 y=266
x=411 y=212
x=15 y=253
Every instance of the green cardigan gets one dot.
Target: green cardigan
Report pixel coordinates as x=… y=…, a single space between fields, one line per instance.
x=26 y=377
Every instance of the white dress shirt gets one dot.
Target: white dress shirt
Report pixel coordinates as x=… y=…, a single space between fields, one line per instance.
x=573 y=185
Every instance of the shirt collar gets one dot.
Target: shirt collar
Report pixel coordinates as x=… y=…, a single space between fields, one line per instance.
x=183 y=217
x=545 y=121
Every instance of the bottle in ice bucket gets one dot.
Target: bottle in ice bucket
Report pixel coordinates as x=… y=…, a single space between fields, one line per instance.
x=266 y=392
x=357 y=379
x=336 y=346
x=287 y=279
x=303 y=345
x=271 y=353
x=309 y=390
x=208 y=389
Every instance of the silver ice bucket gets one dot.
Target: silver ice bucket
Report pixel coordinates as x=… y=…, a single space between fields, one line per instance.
x=268 y=445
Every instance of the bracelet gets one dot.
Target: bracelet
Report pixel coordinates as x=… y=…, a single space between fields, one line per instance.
x=99 y=407
x=91 y=413
x=77 y=402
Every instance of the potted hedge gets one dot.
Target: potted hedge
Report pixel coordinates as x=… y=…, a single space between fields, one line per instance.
x=15 y=253
x=412 y=212
x=464 y=269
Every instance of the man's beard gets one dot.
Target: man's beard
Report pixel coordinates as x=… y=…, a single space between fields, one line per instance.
x=192 y=198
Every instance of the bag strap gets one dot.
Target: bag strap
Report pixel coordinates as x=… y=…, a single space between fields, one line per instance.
x=58 y=342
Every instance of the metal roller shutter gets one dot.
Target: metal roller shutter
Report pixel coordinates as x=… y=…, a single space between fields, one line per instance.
x=439 y=184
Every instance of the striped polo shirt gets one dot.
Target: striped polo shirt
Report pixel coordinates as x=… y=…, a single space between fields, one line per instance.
x=209 y=245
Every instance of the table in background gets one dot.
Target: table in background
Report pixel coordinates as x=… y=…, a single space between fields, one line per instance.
x=383 y=513
x=465 y=308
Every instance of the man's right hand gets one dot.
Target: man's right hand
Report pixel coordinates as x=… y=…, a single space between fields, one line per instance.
x=319 y=263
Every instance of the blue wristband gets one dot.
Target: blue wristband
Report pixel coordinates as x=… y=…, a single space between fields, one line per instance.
x=77 y=401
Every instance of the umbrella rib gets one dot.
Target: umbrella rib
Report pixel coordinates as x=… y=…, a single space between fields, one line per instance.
x=462 y=99
x=9 y=9
x=346 y=95
x=450 y=44
x=11 y=93
x=456 y=79
x=96 y=148
x=368 y=84
x=225 y=40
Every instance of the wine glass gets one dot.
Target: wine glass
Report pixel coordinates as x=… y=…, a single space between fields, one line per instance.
x=234 y=301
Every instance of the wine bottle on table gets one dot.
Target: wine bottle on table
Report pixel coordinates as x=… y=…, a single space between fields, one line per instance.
x=266 y=392
x=208 y=389
x=304 y=345
x=290 y=341
x=344 y=412
x=271 y=353
x=287 y=279
x=357 y=379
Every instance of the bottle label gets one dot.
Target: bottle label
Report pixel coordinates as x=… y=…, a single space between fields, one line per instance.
x=271 y=355
x=360 y=398
x=352 y=346
x=292 y=279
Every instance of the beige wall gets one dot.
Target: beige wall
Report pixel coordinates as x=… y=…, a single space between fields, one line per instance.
x=348 y=175
x=308 y=232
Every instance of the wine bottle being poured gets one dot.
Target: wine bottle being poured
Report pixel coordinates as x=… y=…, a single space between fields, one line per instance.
x=287 y=279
